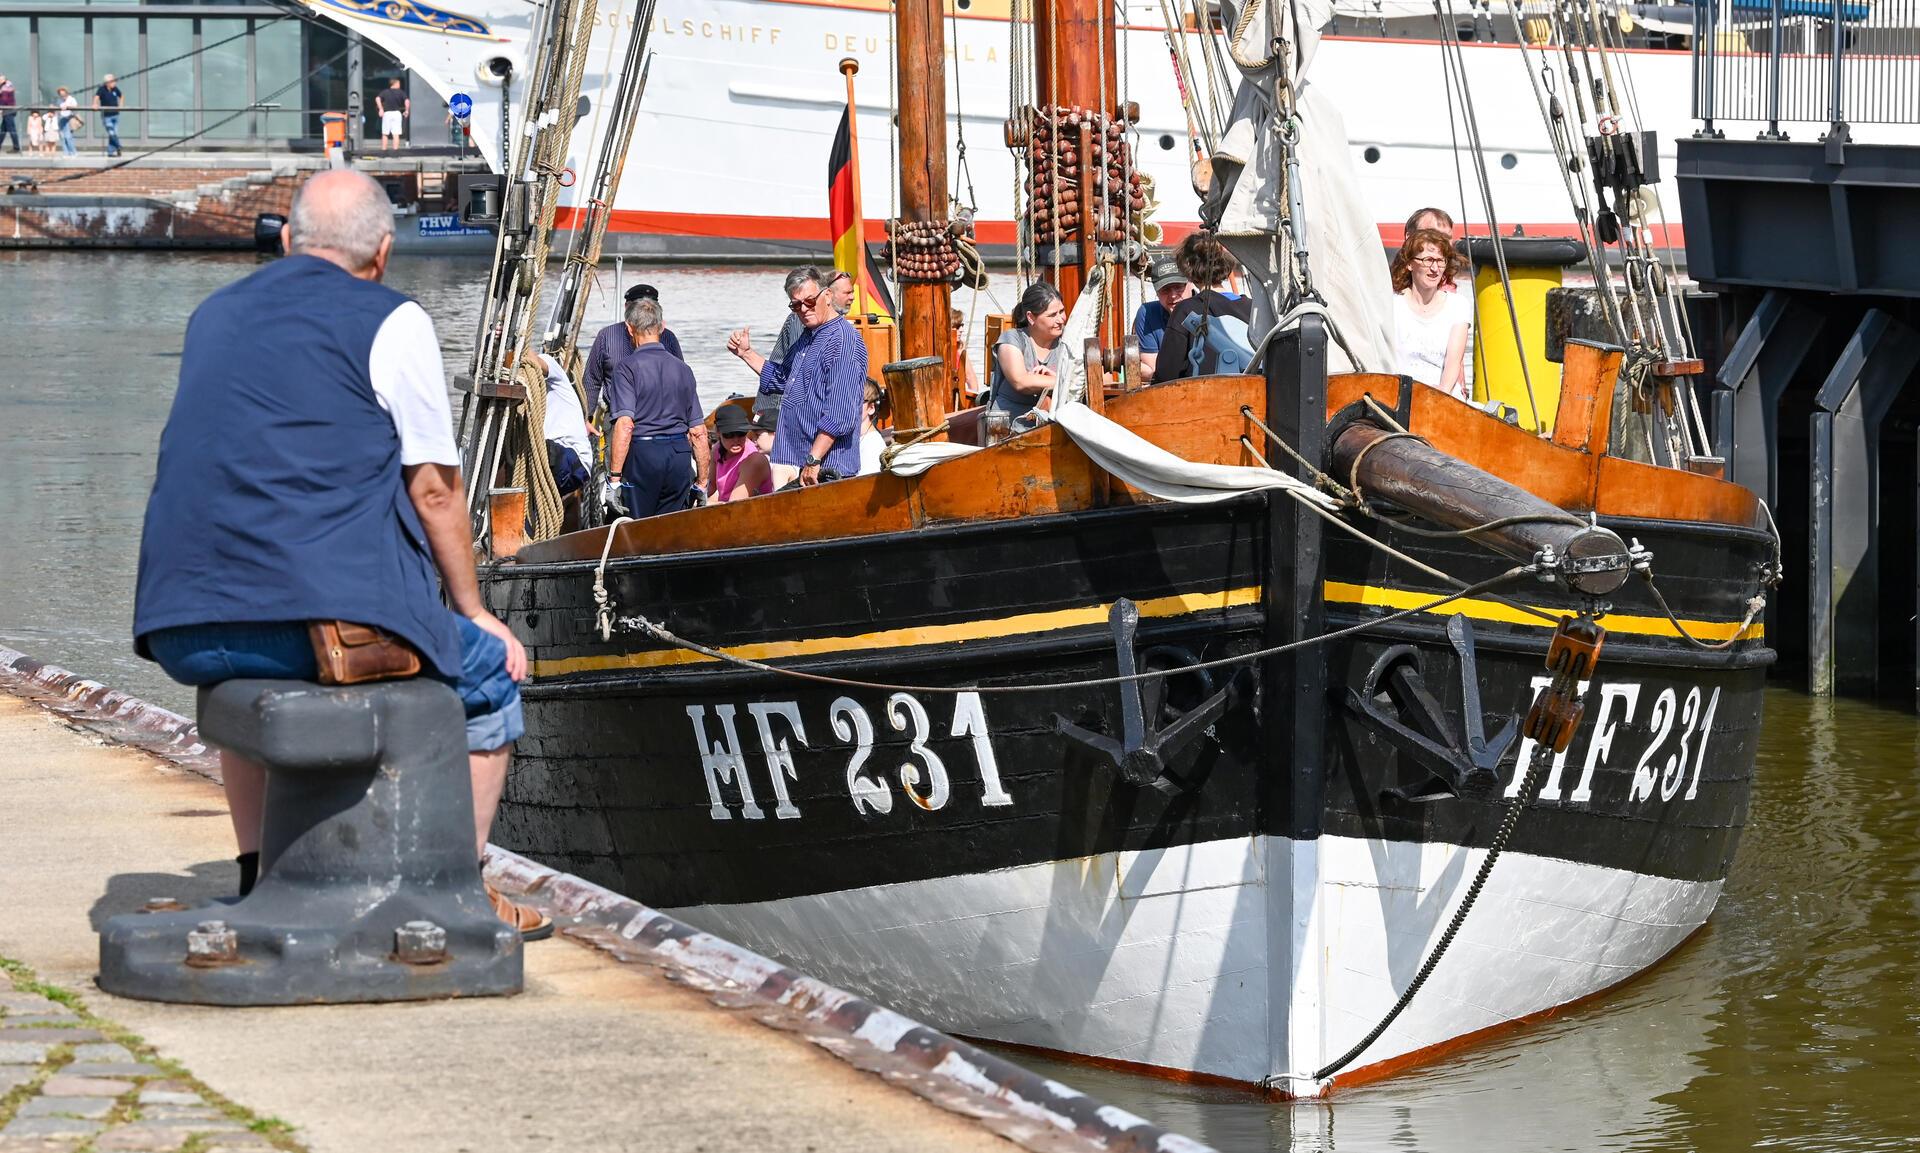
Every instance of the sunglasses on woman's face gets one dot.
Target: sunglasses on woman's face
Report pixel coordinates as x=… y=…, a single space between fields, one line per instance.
x=733 y=436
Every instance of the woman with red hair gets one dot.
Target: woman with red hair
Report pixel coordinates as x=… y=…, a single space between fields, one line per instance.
x=1430 y=324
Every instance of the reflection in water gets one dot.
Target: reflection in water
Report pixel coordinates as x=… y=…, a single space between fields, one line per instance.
x=1793 y=1019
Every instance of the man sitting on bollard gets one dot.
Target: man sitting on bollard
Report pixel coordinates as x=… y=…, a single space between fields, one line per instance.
x=308 y=475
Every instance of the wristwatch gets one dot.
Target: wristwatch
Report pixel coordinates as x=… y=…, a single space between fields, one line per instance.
x=812 y=461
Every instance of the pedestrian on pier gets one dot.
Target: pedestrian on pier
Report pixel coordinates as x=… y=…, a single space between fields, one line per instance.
x=393 y=106
x=69 y=119
x=308 y=473
x=9 y=101
x=106 y=101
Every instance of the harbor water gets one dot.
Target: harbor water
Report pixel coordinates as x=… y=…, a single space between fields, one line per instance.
x=1792 y=1020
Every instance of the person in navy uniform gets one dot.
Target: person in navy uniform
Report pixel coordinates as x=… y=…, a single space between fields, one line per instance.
x=615 y=343
x=308 y=472
x=659 y=439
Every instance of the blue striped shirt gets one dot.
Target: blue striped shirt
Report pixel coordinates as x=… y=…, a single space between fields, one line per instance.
x=824 y=379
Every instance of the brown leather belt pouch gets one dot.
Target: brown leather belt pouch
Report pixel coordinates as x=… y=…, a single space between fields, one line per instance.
x=351 y=654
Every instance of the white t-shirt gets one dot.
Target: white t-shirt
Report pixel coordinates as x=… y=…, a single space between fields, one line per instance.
x=872 y=444
x=411 y=384
x=1420 y=342
x=565 y=425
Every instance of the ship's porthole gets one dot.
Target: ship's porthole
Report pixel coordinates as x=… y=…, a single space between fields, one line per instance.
x=1508 y=160
x=1166 y=142
x=963 y=5
x=1371 y=155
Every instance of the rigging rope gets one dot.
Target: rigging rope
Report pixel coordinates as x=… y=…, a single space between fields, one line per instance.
x=962 y=171
x=1450 y=45
x=1568 y=162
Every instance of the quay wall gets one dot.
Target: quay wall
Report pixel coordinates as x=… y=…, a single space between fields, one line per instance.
x=143 y=207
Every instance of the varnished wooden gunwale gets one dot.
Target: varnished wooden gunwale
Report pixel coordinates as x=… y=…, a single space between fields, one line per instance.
x=1044 y=472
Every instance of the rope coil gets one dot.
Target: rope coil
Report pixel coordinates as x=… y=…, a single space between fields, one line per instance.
x=925 y=252
x=1122 y=196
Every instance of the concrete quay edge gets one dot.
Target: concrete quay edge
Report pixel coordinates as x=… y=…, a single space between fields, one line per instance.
x=1035 y=1112
x=108 y=712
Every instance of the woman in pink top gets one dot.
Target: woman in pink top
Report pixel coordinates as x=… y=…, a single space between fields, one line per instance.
x=740 y=469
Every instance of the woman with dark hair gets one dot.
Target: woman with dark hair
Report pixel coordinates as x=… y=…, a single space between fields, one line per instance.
x=1029 y=357
x=1430 y=325
x=1208 y=332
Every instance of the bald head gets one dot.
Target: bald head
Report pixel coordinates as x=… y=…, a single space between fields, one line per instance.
x=343 y=216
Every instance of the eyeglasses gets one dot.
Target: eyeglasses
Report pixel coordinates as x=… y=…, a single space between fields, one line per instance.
x=809 y=302
x=733 y=436
x=1431 y=261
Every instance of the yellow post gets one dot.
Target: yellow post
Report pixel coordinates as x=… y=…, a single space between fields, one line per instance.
x=1533 y=267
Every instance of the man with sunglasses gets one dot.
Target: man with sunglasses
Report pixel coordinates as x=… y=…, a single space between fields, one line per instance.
x=821 y=384
x=615 y=343
x=838 y=284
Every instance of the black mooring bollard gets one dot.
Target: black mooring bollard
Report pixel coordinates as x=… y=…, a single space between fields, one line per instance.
x=369 y=888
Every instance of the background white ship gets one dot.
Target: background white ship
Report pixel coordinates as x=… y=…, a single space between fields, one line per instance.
x=730 y=153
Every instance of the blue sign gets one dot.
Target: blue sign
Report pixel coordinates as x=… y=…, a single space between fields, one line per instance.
x=461 y=105
x=447 y=224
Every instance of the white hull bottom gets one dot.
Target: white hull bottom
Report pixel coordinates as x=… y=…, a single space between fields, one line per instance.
x=1191 y=959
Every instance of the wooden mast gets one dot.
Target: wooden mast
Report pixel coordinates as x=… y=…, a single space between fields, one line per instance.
x=920 y=44
x=1076 y=65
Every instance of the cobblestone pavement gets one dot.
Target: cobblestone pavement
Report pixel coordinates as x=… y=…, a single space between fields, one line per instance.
x=72 y=1083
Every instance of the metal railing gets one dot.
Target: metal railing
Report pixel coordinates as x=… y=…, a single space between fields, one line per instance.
x=251 y=125
x=1810 y=61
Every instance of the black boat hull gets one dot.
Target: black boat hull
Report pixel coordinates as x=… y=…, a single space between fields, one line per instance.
x=964 y=858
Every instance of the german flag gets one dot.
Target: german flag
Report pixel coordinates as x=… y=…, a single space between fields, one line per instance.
x=844 y=221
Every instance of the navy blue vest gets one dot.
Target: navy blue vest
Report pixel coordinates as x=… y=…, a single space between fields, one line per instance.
x=278 y=495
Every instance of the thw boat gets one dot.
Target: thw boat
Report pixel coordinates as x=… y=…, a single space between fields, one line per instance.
x=1282 y=729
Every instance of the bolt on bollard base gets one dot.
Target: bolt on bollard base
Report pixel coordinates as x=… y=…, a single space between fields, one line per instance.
x=369 y=890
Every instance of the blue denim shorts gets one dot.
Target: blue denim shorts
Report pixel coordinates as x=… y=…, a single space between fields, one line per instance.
x=279 y=650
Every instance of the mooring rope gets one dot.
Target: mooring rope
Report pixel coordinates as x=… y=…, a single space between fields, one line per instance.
x=1756 y=604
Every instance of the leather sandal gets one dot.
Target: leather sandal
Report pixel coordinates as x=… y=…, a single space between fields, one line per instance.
x=532 y=923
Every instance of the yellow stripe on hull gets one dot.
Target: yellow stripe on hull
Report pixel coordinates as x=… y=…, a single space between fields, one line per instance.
x=1183 y=604
x=1340 y=592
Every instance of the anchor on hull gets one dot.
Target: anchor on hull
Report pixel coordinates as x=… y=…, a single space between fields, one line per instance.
x=1395 y=701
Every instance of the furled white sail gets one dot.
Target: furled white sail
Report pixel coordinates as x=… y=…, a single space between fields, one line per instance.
x=1250 y=196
